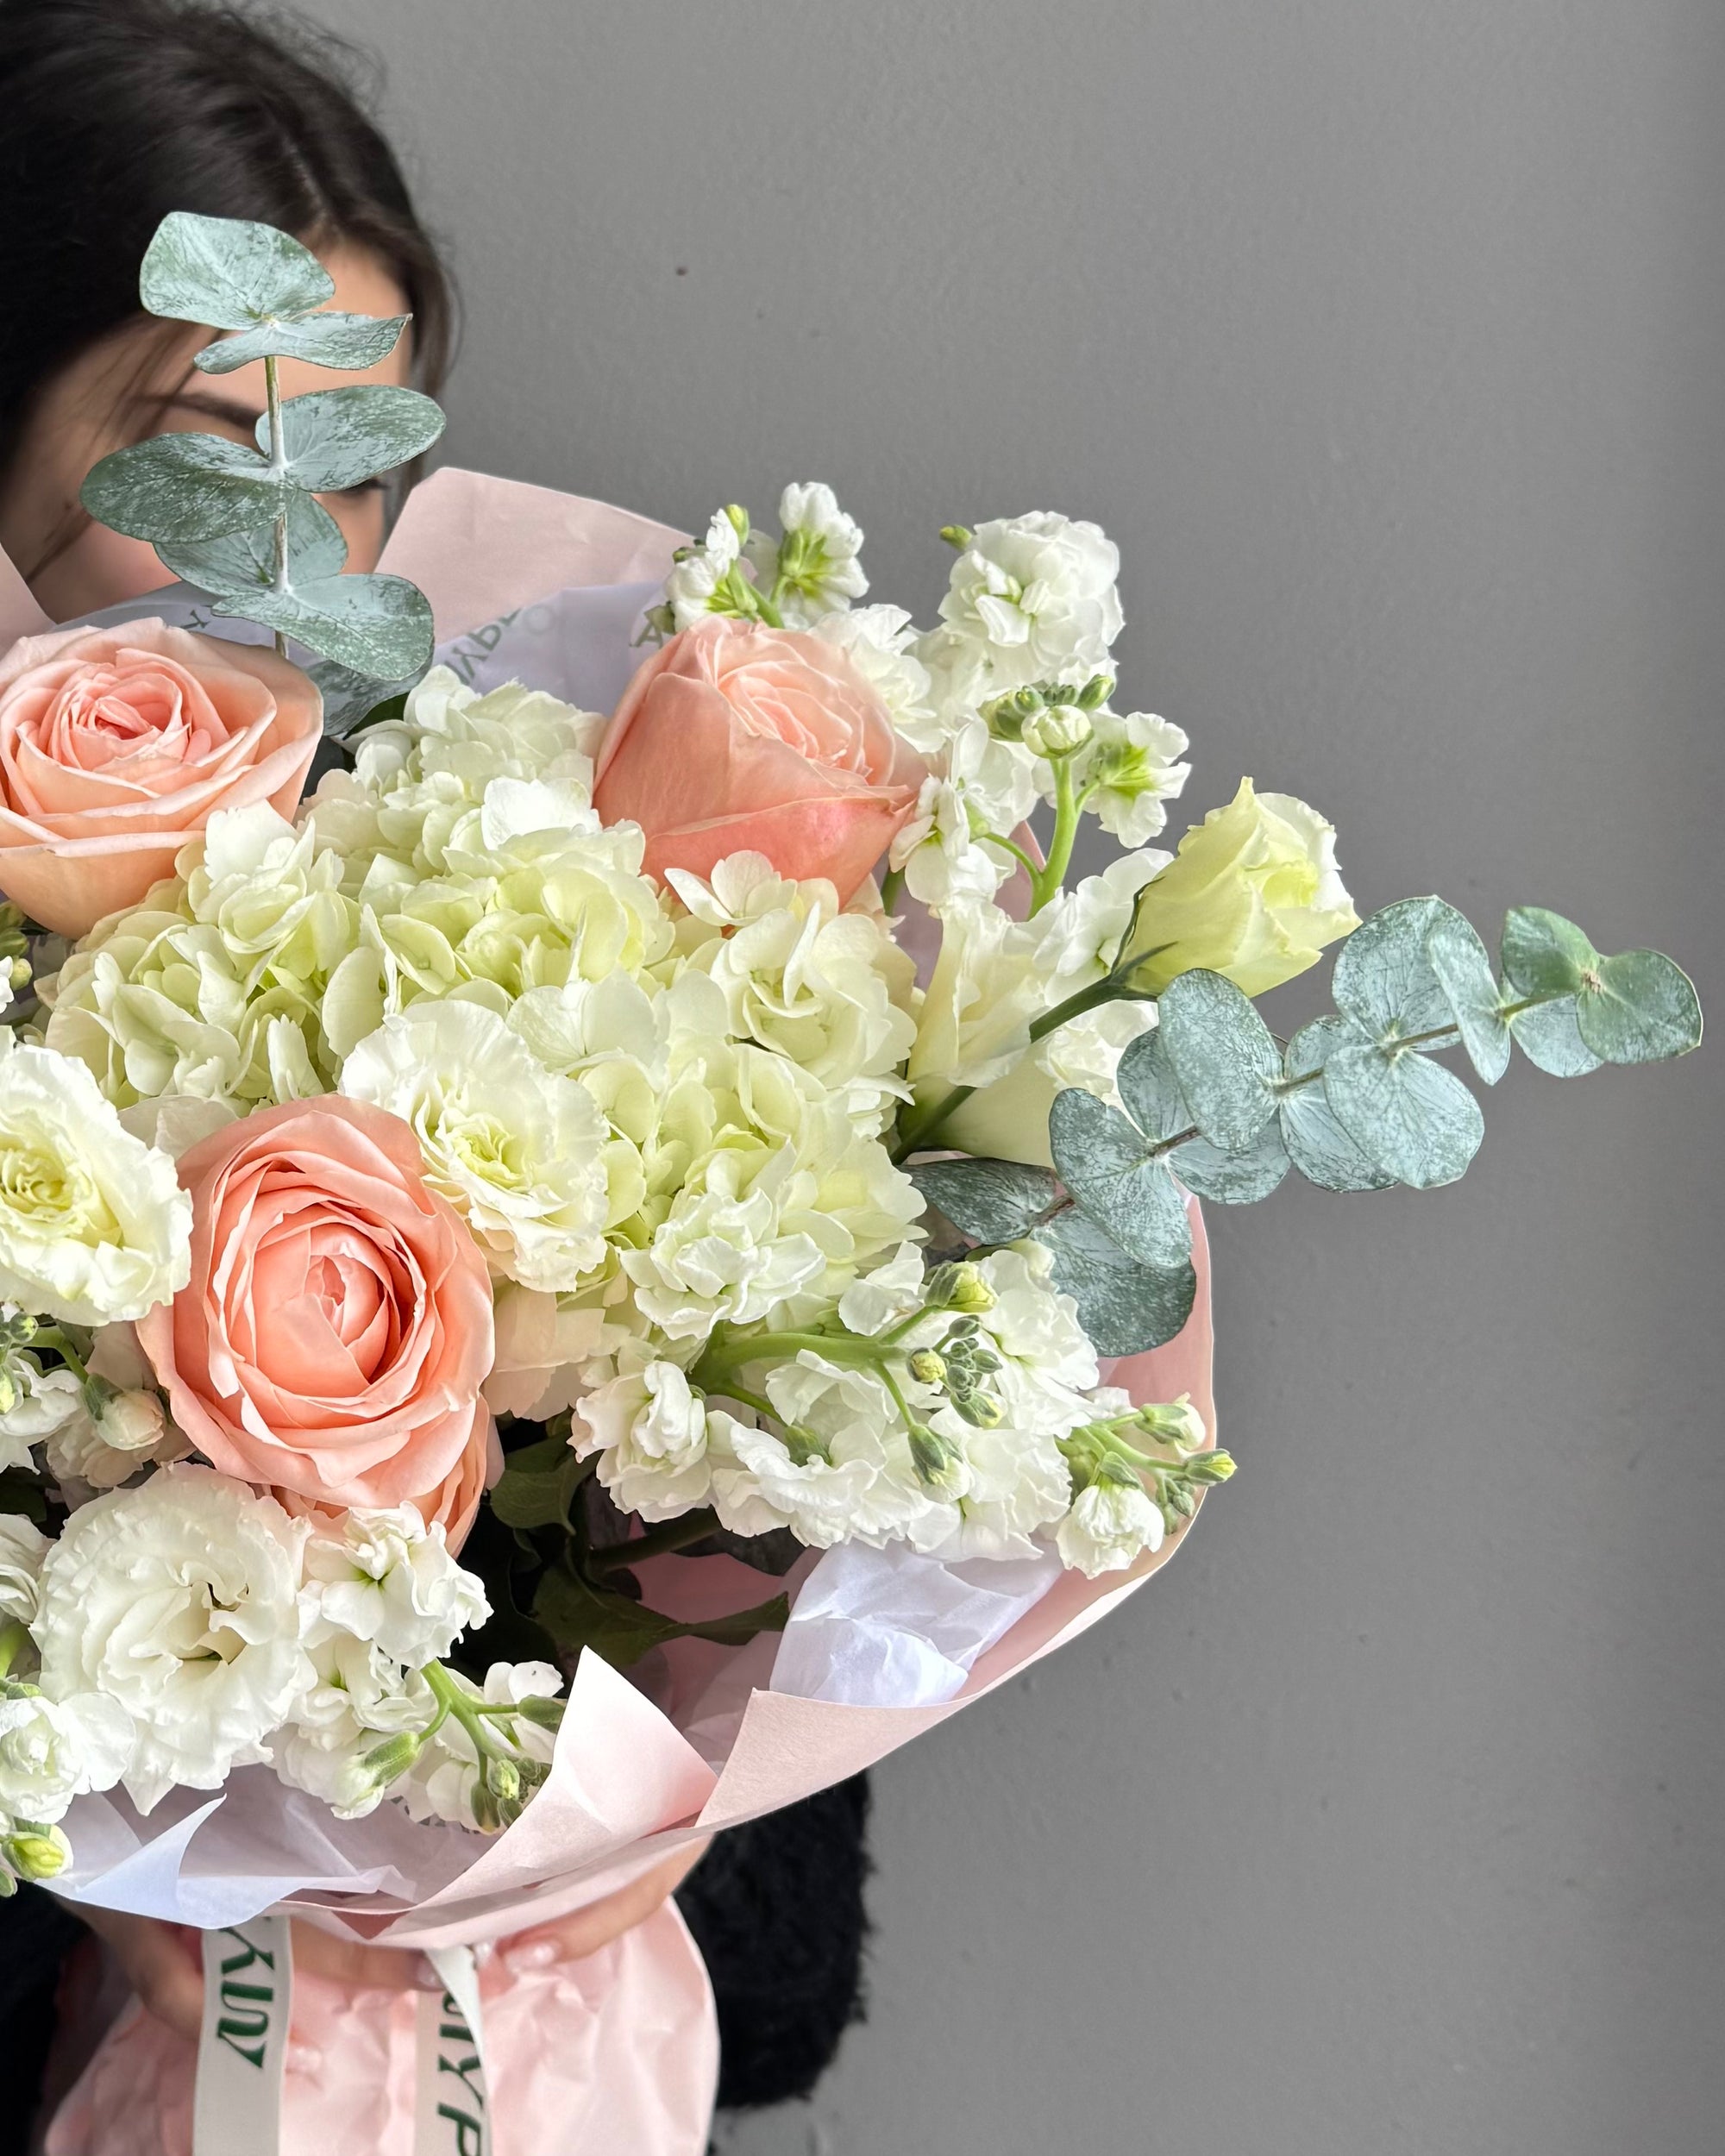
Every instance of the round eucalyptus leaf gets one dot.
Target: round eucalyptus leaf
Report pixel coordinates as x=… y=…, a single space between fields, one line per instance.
x=1232 y=1179
x=1384 y=981
x=229 y=272
x=1127 y=1191
x=245 y=561
x=1223 y=1054
x=1125 y=1308
x=994 y=1201
x=337 y=438
x=1410 y=1115
x=378 y=625
x=326 y=340
x=1639 y=1007
x=1146 y=1082
x=1549 y=1037
x=1543 y=954
x=1463 y=970
x=183 y=486
x=1317 y=1144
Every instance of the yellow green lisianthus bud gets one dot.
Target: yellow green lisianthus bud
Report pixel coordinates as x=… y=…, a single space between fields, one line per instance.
x=37 y=1852
x=1253 y=892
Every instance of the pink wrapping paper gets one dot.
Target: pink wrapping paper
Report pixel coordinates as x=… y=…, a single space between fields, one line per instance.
x=619 y=2053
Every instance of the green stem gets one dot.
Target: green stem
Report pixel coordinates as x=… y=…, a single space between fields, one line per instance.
x=674 y=1534
x=454 y=1705
x=723 y=1357
x=1069 y=809
x=13 y=1639
x=1031 y=868
x=891 y=885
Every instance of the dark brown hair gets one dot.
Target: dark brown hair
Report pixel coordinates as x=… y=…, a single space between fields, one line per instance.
x=117 y=111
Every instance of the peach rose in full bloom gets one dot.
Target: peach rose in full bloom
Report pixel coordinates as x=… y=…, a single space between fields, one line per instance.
x=117 y=744
x=737 y=738
x=335 y=1333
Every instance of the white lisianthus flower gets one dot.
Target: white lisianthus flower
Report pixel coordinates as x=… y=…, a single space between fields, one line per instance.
x=513 y=1147
x=93 y=1223
x=878 y=641
x=53 y=1749
x=23 y=1547
x=696 y=578
x=180 y=1599
x=1132 y=765
x=1110 y=1526
x=649 y=1429
x=1031 y=599
x=1008 y=1121
x=384 y=1576
x=986 y=988
x=814 y=566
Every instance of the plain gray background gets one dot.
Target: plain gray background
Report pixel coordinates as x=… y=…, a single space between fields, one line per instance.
x=1389 y=340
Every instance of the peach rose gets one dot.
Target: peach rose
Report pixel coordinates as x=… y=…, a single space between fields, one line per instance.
x=117 y=744
x=453 y=1504
x=734 y=738
x=332 y=1340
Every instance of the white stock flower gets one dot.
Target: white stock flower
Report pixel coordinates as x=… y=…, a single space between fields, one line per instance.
x=1079 y=931
x=360 y=1698
x=1031 y=599
x=180 y=1599
x=882 y=1297
x=1132 y=766
x=550 y=1349
x=1111 y=1524
x=53 y=1749
x=120 y=1426
x=23 y=1547
x=441 y=1783
x=939 y=851
x=36 y=1402
x=815 y=563
x=649 y=1430
x=879 y=642
x=93 y=1223
x=695 y=578
x=513 y=1147
x=383 y=1576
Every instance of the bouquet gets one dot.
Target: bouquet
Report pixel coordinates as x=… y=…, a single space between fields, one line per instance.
x=646 y=1218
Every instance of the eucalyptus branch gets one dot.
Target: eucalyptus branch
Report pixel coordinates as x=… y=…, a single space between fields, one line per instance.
x=278 y=466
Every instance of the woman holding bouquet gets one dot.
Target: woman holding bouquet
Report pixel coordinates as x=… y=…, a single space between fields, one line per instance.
x=180 y=106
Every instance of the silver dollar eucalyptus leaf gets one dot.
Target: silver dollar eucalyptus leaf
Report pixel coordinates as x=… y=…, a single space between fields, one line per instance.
x=1223 y=1054
x=1126 y=1308
x=1463 y=969
x=244 y=562
x=1146 y=1083
x=1638 y=1007
x=1410 y=1115
x=1232 y=1179
x=183 y=487
x=380 y=626
x=1108 y=1166
x=1384 y=980
x=994 y=1201
x=1548 y=1034
x=337 y=438
x=1543 y=954
x=229 y=272
x=327 y=340
x=1317 y=1144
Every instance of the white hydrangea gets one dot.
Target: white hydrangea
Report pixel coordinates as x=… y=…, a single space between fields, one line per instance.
x=649 y=1429
x=814 y=566
x=180 y=1599
x=515 y=1147
x=1110 y=1526
x=1031 y=599
x=383 y=1576
x=93 y=1223
x=53 y=1749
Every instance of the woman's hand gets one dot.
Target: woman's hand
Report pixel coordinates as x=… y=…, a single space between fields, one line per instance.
x=163 y=1962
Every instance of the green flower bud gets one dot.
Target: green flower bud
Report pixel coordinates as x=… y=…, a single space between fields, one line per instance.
x=1060 y=731
x=927 y=1368
x=543 y=1712
x=962 y=1286
x=486 y=1816
x=384 y=1763
x=1095 y=692
x=958 y=536
x=738 y=518
x=502 y=1778
x=1174 y=1422
x=37 y=1852
x=1210 y=1467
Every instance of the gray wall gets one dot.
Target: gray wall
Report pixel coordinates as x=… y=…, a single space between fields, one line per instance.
x=1387 y=340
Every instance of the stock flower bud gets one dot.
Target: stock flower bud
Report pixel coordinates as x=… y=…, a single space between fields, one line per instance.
x=1061 y=729
x=927 y=1368
x=37 y=1852
x=962 y=1286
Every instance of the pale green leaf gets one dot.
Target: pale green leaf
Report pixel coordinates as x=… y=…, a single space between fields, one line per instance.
x=1232 y=1179
x=1105 y=1164
x=1639 y=1007
x=1146 y=1083
x=1463 y=970
x=377 y=625
x=1408 y=1114
x=337 y=438
x=1317 y=1144
x=993 y=1200
x=229 y=272
x=325 y=339
x=245 y=561
x=183 y=486
x=1549 y=1037
x=1382 y=978
x=1223 y=1056
x=1125 y=1308
x=1543 y=954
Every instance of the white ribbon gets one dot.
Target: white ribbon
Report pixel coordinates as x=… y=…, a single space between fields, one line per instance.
x=242 y=2048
